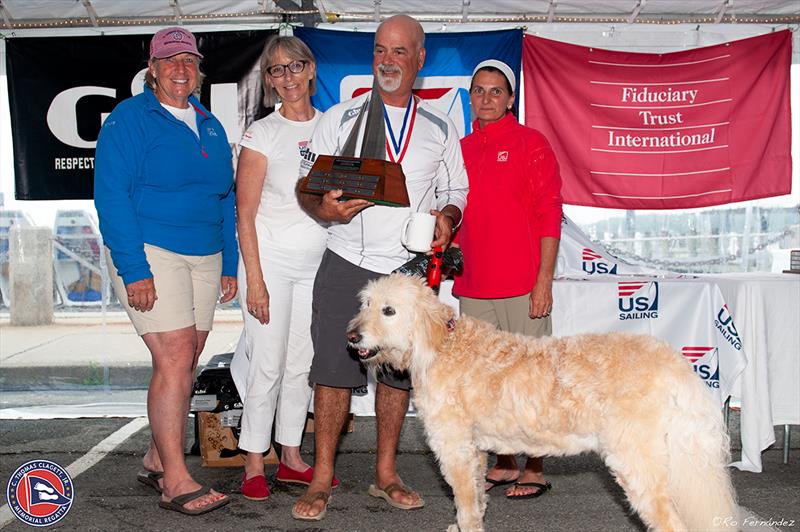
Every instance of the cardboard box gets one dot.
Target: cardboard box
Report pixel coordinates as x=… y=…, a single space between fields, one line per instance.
x=219 y=444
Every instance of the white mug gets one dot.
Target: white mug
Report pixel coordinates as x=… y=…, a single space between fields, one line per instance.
x=417 y=233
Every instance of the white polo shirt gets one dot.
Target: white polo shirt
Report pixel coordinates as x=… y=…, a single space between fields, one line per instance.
x=435 y=177
x=280 y=221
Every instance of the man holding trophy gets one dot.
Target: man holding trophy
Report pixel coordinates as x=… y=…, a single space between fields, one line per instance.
x=364 y=243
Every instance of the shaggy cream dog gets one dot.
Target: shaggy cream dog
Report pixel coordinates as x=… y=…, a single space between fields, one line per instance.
x=630 y=398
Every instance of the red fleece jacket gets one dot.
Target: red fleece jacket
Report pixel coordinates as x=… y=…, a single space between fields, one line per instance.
x=514 y=200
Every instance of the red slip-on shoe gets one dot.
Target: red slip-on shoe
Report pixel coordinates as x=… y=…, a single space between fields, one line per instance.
x=292 y=476
x=255 y=488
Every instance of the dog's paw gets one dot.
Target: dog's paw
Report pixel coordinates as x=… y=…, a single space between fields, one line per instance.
x=453 y=528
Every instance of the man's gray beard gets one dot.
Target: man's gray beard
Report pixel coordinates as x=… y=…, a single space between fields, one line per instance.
x=389 y=84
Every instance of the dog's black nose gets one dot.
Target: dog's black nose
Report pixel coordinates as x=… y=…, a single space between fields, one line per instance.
x=353 y=337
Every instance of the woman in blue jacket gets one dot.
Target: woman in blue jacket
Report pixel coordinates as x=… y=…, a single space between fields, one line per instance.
x=164 y=194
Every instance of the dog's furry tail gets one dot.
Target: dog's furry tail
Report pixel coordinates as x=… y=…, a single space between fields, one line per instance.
x=699 y=453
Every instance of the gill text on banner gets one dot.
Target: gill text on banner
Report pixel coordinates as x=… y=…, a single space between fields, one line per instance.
x=57 y=110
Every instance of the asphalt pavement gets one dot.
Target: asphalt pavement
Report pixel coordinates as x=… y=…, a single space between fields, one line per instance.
x=584 y=496
x=82 y=368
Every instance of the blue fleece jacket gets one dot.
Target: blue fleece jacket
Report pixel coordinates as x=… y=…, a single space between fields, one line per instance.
x=156 y=182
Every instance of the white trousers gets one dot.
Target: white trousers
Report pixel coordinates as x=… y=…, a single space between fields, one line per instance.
x=271 y=363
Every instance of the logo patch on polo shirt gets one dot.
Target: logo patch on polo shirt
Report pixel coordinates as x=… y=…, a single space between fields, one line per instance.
x=502 y=156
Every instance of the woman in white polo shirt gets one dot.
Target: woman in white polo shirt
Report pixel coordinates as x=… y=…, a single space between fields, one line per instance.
x=281 y=247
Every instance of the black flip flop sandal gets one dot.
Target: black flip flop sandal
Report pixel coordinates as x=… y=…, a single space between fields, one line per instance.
x=177 y=503
x=494 y=483
x=543 y=488
x=150 y=478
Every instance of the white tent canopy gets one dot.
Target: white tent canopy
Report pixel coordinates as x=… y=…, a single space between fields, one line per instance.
x=21 y=14
x=631 y=25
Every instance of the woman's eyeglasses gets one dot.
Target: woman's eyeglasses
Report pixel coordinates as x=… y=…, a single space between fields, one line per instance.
x=295 y=67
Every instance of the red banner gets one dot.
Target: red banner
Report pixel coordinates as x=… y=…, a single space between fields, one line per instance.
x=702 y=127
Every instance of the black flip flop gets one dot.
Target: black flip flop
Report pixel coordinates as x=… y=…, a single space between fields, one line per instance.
x=177 y=503
x=494 y=483
x=543 y=488
x=150 y=478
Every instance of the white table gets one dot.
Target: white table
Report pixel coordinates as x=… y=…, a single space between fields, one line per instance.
x=766 y=311
x=766 y=326
x=689 y=314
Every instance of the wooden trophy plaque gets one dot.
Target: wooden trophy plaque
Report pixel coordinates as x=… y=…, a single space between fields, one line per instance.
x=378 y=181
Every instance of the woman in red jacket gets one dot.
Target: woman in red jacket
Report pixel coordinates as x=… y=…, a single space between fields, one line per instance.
x=510 y=234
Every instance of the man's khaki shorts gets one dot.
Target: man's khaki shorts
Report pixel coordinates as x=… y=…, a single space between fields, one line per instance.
x=187 y=288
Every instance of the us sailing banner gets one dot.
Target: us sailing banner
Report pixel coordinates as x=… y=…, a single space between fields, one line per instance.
x=344 y=66
x=694 y=128
x=62 y=88
x=690 y=314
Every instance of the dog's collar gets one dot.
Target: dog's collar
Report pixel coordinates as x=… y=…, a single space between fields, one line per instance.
x=451 y=325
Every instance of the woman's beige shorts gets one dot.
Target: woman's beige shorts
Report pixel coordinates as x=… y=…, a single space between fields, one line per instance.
x=187 y=288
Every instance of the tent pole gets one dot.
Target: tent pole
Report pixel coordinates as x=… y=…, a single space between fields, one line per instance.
x=90 y=10
x=551 y=11
x=6 y=15
x=176 y=8
x=639 y=5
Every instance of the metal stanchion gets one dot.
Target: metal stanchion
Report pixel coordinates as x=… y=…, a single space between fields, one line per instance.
x=726 y=413
x=786 y=440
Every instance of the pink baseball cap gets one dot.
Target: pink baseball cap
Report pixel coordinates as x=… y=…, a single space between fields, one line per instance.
x=173 y=41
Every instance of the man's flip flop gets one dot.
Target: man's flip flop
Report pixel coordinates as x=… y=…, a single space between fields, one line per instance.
x=311 y=498
x=386 y=493
x=177 y=503
x=150 y=478
x=543 y=488
x=494 y=483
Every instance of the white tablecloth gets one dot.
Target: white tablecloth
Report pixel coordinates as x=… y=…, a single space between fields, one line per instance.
x=766 y=325
x=766 y=311
x=690 y=315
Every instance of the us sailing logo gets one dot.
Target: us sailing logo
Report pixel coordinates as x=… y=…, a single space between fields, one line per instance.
x=705 y=361
x=40 y=493
x=724 y=324
x=638 y=300
x=593 y=263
